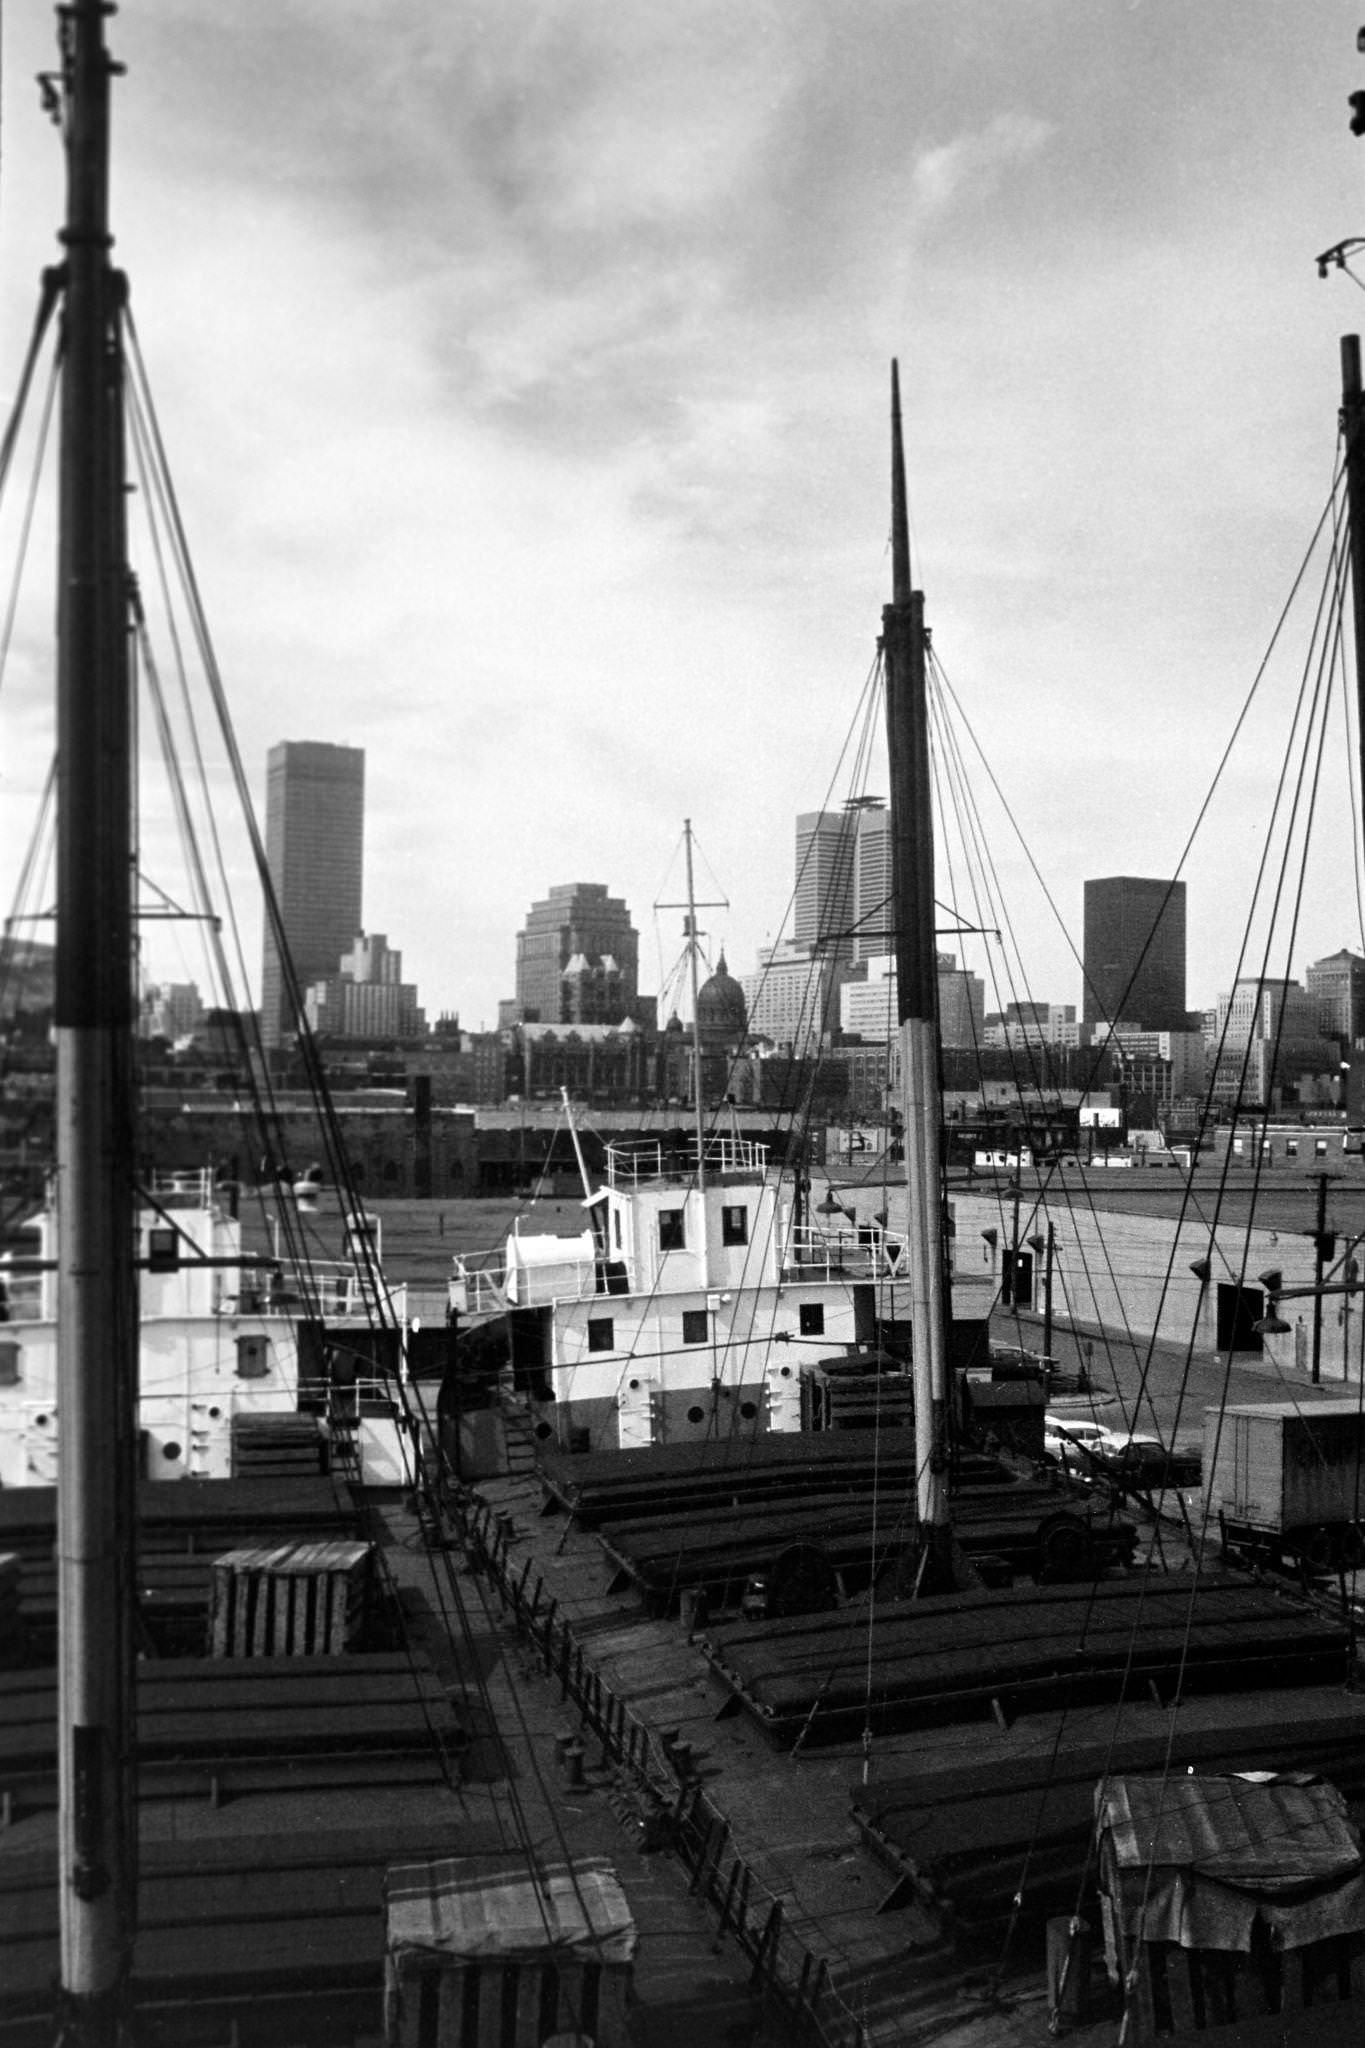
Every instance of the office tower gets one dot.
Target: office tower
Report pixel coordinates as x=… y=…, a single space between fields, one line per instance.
x=793 y=997
x=315 y=843
x=1338 y=984
x=873 y=916
x=1135 y=952
x=367 y=997
x=822 y=907
x=577 y=959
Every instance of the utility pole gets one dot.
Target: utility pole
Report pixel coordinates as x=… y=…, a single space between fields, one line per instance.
x=1323 y=1247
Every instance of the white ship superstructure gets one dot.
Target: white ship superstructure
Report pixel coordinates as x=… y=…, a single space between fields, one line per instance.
x=692 y=1303
x=219 y=1338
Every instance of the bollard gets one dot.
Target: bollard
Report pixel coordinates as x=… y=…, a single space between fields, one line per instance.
x=1068 y=1971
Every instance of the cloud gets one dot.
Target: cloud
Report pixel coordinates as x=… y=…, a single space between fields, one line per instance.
x=960 y=175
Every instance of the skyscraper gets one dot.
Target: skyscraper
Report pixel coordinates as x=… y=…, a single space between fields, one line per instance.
x=1135 y=952
x=1338 y=983
x=822 y=907
x=873 y=912
x=315 y=846
x=578 y=958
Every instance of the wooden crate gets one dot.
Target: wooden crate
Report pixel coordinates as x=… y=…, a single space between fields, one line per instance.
x=479 y=1953
x=289 y=1600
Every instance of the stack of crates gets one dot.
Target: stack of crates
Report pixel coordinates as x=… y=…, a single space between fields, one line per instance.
x=289 y=1600
x=506 y=1953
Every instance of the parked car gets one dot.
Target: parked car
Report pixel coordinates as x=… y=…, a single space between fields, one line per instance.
x=1166 y=1476
x=1070 y=1439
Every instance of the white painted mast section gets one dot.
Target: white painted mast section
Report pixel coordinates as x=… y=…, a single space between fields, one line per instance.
x=912 y=836
x=697 y=1104
x=577 y=1147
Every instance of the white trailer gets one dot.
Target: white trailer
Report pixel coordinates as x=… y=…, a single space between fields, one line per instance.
x=1284 y=1479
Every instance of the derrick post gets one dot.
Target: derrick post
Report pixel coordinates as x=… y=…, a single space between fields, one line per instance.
x=904 y=648
x=1353 y=448
x=94 y=1017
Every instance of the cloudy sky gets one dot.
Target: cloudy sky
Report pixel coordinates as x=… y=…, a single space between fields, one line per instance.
x=523 y=369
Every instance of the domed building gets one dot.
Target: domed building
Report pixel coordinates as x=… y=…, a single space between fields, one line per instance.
x=722 y=1013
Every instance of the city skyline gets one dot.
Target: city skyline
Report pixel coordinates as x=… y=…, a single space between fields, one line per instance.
x=621 y=293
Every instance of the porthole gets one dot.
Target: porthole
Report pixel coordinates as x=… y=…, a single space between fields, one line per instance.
x=747 y=1410
x=170 y=1452
x=215 y=1413
x=695 y=1414
x=40 y=1421
x=543 y=1430
x=784 y=1372
x=634 y=1386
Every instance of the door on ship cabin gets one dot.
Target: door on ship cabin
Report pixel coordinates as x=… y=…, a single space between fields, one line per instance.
x=1239 y=1310
x=635 y=1410
x=784 y=1396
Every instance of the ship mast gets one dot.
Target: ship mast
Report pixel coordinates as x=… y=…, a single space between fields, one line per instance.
x=1353 y=440
x=904 y=642
x=94 y=1013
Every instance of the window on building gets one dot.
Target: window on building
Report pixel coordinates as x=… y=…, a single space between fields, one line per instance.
x=9 y=1365
x=734 y=1224
x=812 y=1318
x=672 y=1234
x=694 y=1326
x=616 y=1228
x=601 y=1333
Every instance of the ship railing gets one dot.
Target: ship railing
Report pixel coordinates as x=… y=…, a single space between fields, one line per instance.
x=192 y=1188
x=479 y=1289
x=334 y=1291
x=863 y=1254
x=636 y=1162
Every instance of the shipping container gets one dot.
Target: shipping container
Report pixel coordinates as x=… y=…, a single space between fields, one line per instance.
x=1288 y=1474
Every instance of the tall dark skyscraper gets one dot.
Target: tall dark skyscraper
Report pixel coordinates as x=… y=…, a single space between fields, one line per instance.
x=315 y=845
x=1135 y=952
x=578 y=958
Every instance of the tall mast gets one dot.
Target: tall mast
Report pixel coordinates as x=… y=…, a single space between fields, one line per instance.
x=698 y=1105
x=94 y=1011
x=912 y=896
x=1353 y=439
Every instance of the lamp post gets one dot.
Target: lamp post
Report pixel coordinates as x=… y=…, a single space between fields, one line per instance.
x=1043 y=1246
x=1324 y=1245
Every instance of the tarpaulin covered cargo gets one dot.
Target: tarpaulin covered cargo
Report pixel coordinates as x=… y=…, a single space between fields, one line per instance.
x=1224 y=1897
x=506 y=1954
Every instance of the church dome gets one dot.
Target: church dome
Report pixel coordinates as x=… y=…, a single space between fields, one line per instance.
x=721 y=1008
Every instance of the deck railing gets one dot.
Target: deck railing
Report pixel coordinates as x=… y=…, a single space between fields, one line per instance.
x=814 y=1254
x=641 y=1160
